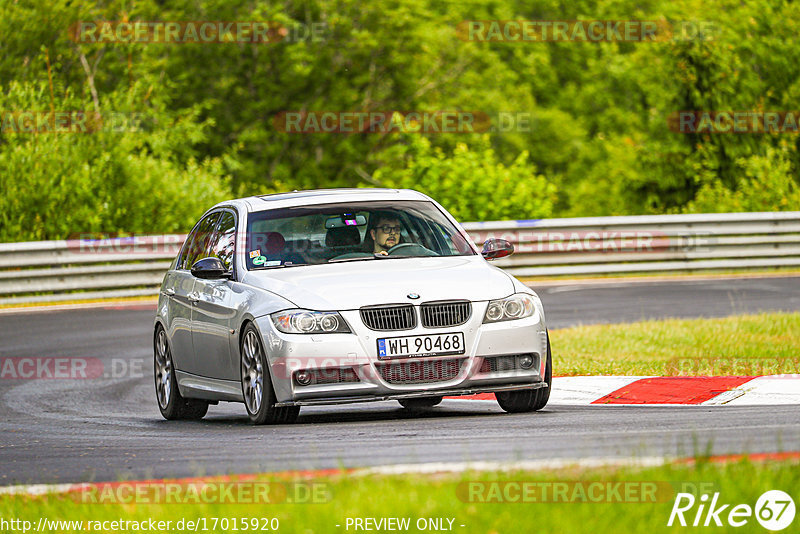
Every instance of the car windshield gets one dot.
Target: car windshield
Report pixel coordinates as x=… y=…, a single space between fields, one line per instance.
x=331 y=233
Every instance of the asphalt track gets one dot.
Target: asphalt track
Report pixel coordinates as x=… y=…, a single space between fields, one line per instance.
x=110 y=429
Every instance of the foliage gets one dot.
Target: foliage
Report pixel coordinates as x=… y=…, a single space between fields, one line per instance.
x=768 y=184
x=470 y=183
x=62 y=184
x=599 y=145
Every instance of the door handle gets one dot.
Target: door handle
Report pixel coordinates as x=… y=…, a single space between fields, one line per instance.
x=193 y=297
x=169 y=292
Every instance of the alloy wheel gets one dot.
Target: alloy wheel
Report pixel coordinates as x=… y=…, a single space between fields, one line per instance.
x=252 y=372
x=163 y=370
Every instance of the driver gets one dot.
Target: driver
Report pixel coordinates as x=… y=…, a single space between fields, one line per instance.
x=385 y=233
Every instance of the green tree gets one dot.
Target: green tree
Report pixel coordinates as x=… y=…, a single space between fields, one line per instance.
x=470 y=183
x=132 y=178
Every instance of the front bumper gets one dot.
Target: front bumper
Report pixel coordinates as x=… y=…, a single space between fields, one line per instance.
x=444 y=393
x=357 y=353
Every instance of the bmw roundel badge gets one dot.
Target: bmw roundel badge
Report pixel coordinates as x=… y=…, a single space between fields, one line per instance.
x=413 y=296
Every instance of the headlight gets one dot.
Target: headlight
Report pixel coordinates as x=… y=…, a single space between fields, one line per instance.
x=518 y=306
x=309 y=322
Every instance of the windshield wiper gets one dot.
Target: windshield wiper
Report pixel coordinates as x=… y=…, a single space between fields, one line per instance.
x=358 y=258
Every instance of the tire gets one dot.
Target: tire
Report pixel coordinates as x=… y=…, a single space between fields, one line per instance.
x=259 y=396
x=422 y=402
x=170 y=402
x=529 y=400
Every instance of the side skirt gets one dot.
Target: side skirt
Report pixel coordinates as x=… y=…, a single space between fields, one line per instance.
x=201 y=387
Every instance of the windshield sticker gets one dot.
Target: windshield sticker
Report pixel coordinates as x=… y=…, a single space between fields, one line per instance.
x=255 y=253
x=272 y=263
x=260 y=260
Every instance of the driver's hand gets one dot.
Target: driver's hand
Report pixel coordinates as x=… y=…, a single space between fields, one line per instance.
x=383 y=253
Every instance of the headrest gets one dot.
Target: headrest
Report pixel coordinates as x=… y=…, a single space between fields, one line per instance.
x=343 y=236
x=270 y=243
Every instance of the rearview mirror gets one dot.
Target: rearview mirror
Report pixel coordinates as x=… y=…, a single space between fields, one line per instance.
x=496 y=248
x=345 y=219
x=210 y=269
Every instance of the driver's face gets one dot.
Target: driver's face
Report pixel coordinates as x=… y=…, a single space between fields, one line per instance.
x=385 y=240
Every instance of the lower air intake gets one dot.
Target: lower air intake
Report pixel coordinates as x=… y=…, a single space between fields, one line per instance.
x=420 y=372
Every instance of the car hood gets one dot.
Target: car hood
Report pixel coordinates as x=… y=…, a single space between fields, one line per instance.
x=351 y=285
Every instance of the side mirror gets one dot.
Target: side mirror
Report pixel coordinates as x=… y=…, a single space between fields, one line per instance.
x=496 y=248
x=209 y=269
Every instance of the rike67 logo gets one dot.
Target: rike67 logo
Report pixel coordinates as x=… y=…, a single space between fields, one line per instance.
x=774 y=510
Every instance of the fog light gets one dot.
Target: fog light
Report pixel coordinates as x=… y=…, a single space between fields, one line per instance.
x=526 y=361
x=303 y=378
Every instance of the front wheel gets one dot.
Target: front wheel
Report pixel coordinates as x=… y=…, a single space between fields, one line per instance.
x=529 y=400
x=259 y=397
x=170 y=402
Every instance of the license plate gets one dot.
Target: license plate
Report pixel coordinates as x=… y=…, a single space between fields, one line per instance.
x=420 y=346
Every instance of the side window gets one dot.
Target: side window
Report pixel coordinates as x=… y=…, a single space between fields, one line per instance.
x=197 y=242
x=187 y=248
x=224 y=240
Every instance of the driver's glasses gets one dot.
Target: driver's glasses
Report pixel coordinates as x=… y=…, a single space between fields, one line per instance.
x=386 y=229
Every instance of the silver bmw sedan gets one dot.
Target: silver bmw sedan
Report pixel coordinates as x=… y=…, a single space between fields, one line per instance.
x=342 y=296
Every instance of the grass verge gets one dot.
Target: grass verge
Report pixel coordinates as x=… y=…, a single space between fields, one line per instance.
x=744 y=345
x=572 y=500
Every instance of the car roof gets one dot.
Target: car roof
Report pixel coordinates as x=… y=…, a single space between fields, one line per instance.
x=323 y=196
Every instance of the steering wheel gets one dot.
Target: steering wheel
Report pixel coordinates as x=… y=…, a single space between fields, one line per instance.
x=420 y=250
x=400 y=246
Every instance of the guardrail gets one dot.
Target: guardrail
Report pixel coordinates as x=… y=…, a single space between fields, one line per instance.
x=48 y=271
